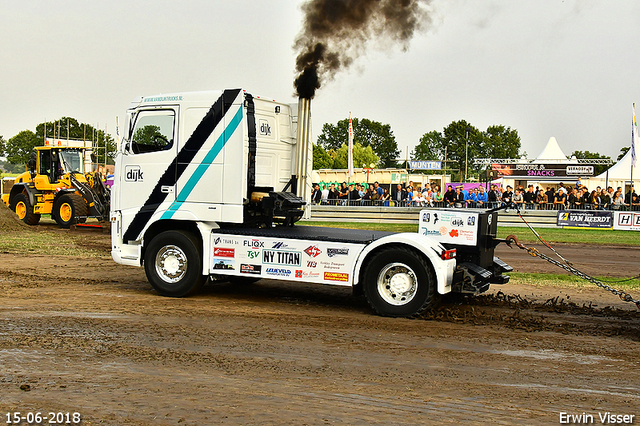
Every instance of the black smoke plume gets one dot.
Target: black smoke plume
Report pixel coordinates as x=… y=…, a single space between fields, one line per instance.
x=335 y=32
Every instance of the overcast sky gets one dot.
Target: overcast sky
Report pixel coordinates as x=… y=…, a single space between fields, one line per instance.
x=568 y=69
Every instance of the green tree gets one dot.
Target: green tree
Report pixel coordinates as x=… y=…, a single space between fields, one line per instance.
x=500 y=142
x=381 y=139
x=598 y=169
x=461 y=143
x=321 y=158
x=70 y=128
x=623 y=152
x=363 y=156
x=365 y=132
x=150 y=135
x=11 y=168
x=18 y=149
x=333 y=136
x=430 y=147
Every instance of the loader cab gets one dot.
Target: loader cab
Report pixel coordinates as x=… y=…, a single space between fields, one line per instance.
x=56 y=162
x=46 y=166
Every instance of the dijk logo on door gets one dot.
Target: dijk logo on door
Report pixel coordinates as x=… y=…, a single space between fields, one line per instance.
x=133 y=174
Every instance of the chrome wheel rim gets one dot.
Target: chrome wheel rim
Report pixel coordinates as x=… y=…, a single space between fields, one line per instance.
x=171 y=263
x=397 y=284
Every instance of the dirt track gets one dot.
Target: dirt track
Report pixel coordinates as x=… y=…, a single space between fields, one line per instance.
x=86 y=335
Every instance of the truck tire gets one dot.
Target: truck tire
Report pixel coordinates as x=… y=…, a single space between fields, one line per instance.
x=173 y=264
x=23 y=208
x=399 y=282
x=67 y=208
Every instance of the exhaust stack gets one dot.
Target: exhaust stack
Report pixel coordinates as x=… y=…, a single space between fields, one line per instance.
x=303 y=146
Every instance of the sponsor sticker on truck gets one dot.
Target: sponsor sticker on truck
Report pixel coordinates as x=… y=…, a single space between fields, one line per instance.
x=336 y=276
x=224 y=252
x=450 y=226
x=281 y=257
x=284 y=259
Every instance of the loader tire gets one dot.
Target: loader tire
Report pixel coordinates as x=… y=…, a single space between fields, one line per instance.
x=23 y=208
x=67 y=208
x=399 y=282
x=173 y=264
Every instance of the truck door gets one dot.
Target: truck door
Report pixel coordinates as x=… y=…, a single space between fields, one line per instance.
x=147 y=177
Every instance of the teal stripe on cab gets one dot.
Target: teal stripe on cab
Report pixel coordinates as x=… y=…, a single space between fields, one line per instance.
x=204 y=165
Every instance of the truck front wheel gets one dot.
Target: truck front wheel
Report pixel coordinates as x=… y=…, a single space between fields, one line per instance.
x=399 y=282
x=173 y=264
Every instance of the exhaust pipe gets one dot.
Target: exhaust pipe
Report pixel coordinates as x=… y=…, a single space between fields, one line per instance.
x=303 y=142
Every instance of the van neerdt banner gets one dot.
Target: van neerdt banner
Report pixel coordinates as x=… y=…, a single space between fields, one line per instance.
x=542 y=170
x=585 y=218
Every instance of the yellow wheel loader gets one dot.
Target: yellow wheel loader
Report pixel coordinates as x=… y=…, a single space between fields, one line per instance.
x=56 y=184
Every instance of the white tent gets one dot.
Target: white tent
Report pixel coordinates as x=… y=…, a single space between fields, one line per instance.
x=552 y=153
x=622 y=169
x=618 y=175
x=620 y=172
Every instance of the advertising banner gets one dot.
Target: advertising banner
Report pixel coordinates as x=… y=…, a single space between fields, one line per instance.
x=450 y=226
x=543 y=170
x=627 y=221
x=284 y=259
x=585 y=218
x=399 y=177
x=425 y=165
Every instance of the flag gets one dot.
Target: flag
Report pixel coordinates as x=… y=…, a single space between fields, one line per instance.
x=634 y=137
x=350 y=166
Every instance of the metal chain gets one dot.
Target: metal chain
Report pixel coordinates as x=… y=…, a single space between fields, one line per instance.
x=623 y=295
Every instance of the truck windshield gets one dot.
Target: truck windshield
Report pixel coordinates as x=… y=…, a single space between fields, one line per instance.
x=71 y=160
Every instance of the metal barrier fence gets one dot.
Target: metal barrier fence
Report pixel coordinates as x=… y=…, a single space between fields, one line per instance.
x=410 y=215
x=470 y=204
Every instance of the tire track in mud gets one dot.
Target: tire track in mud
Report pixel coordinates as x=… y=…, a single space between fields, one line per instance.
x=91 y=335
x=499 y=309
x=275 y=397
x=554 y=314
x=261 y=359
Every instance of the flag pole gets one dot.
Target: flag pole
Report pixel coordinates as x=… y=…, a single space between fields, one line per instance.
x=634 y=136
x=350 y=149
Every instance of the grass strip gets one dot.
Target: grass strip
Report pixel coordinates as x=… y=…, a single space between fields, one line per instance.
x=47 y=243
x=551 y=235
x=562 y=280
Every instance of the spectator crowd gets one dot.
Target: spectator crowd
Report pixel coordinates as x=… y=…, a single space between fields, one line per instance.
x=577 y=196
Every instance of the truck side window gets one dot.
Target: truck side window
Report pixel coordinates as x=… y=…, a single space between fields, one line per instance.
x=153 y=131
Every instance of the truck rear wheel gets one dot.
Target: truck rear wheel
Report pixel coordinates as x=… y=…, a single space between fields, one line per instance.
x=67 y=208
x=399 y=282
x=173 y=264
x=23 y=208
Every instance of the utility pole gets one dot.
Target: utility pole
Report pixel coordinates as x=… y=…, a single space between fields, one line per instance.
x=445 y=161
x=406 y=161
x=466 y=155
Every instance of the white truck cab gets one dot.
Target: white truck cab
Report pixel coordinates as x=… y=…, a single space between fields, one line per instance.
x=205 y=185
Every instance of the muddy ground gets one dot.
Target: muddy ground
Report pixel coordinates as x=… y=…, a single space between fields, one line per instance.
x=82 y=334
